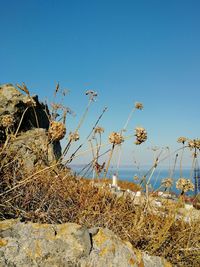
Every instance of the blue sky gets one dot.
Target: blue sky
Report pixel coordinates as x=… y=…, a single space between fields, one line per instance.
x=146 y=51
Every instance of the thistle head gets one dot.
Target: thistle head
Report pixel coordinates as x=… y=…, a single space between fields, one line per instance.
x=99 y=130
x=92 y=94
x=74 y=136
x=7 y=121
x=141 y=135
x=167 y=182
x=116 y=138
x=184 y=185
x=139 y=105
x=57 y=131
x=182 y=140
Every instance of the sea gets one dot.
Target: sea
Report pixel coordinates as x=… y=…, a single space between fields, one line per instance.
x=129 y=173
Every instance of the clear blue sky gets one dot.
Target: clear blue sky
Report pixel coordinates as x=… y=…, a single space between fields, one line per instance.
x=126 y=50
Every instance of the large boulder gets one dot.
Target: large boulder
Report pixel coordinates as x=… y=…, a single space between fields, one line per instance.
x=69 y=244
x=24 y=124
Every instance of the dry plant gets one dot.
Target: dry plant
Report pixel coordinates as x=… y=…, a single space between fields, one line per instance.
x=57 y=198
x=52 y=194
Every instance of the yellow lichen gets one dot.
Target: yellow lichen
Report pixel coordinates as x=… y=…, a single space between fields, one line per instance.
x=166 y=263
x=3 y=242
x=4 y=225
x=104 y=251
x=100 y=238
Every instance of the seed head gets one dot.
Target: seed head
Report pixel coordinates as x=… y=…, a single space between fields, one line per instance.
x=74 y=136
x=182 y=140
x=99 y=167
x=57 y=131
x=99 y=130
x=138 y=105
x=116 y=138
x=7 y=121
x=167 y=182
x=195 y=143
x=141 y=135
x=92 y=94
x=184 y=185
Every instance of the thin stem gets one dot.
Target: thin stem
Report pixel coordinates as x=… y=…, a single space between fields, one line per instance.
x=109 y=160
x=20 y=121
x=84 y=116
x=181 y=171
x=129 y=118
x=36 y=117
x=193 y=163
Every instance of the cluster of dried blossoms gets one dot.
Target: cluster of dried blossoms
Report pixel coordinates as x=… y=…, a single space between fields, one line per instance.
x=92 y=94
x=99 y=167
x=57 y=131
x=138 y=105
x=182 y=140
x=74 y=136
x=116 y=138
x=184 y=185
x=141 y=135
x=195 y=143
x=99 y=130
x=167 y=182
x=7 y=121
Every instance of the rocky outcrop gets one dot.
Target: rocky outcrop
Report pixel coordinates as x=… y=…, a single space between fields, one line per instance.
x=25 y=122
x=14 y=103
x=70 y=245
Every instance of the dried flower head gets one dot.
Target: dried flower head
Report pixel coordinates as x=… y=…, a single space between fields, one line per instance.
x=57 y=131
x=182 y=140
x=92 y=94
x=141 y=135
x=116 y=138
x=74 y=136
x=195 y=143
x=167 y=182
x=138 y=105
x=99 y=167
x=7 y=121
x=29 y=101
x=184 y=185
x=99 y=130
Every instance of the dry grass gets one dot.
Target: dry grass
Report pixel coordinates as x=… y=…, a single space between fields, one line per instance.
x=52 y=194
x=56 y=196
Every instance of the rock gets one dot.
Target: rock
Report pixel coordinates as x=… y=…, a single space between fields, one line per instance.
x=33 y=148
x=42 y=245
x=14 y=103
x=25 y=121
x=32 y=244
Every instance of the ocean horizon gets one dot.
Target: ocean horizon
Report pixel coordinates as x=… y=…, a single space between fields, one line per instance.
x=127 y=173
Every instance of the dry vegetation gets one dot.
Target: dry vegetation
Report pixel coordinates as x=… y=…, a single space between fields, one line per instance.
x=56 y=196
x=52 y=194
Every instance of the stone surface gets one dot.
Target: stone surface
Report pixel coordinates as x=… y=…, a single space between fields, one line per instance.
x=14 y=103
x=33 y=148
x=28 y=136
x=70 y=245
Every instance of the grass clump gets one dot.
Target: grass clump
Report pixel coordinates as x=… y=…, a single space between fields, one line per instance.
x=55 y=195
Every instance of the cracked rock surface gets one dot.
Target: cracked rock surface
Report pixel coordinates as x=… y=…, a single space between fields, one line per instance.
x=69 y=244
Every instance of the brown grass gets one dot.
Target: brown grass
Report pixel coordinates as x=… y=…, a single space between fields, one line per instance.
x=56 y=196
